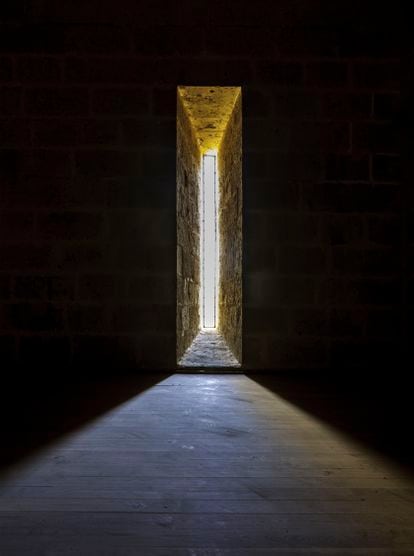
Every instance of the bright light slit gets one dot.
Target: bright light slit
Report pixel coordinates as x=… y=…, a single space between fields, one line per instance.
x=209 y=254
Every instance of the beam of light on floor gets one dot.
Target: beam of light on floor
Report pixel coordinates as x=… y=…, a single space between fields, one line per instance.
x=209 y=244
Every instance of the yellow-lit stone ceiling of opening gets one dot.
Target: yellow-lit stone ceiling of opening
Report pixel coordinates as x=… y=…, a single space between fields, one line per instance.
x=209 y=109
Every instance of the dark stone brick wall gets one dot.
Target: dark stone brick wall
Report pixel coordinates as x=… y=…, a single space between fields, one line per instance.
x=88 y=183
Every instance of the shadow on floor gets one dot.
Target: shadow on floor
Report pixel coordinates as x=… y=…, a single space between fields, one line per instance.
x=375 y=411
x=35 y=412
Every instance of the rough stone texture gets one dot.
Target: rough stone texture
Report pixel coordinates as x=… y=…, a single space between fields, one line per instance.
x=188 y=231
x=209 y=349
x=212 y=118
x=230 y=226
x=209 y=110
x=88 y=178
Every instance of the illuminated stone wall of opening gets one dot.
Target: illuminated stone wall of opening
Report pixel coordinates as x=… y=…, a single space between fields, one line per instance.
x=211 y=118
x=188 y=231
x=230 y=225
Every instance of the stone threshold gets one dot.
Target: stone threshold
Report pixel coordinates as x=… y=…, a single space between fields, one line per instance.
x=208 y=351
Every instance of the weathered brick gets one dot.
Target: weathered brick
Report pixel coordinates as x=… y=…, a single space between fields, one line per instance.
x=44 y=351
x=384 y=323
x=33 y=193
x=10 y=101
x=152 y=168
x=377 y=291
x=297 y=353
x=327 y=74
x=368 y=262
x=340 y=229
x=164 y=102
x=99 y=286
x=334 y=291
x=378 y=76
x=369 y=40
x=61 y=288
x=23 y=256
x=158 y=350
x=386 y=168
x=16 y=225
x=256 y=103
x=120 y=101
x=82 y=192
x=207 y=71
x=75 y=70
x=410 y=292
x=362 y=354
x=135 y=318
x=140 y=193
x=86 y=256
x=293 y=105
x=142 y=288
x=309 y=260
x=343 y=106
x=30 y=287
x=145 y=133
x=124 y=70
x=5 y=287
x=281 y=73
x=107 y=351
x=35 y=317
x=268 y=320
x=86 y=318
x=38 y=69
x=351 y=197
x=151 y=227
x=384 y=230
x=375 y=138
x=72 y=225
x=308 y=322
x=257 y=165
x=9 y=165
x=108 y=163
x=100 y=132
x=14 y=132
x=57 y=101
x=267 y=194
x=258 y=257
x=240 y=41
x=46 y=163
x=268 y=134
x=347 y=167
x=133 y=255
x=304 y=41
x=320 y=137
x=31 y=37
x=56 y=132
x=263 y=288
x=97 y=39
x=7 y=349
x=6 y=69
x=13 y=10
x=386 y=106
x=346 y=322
x=168 y=41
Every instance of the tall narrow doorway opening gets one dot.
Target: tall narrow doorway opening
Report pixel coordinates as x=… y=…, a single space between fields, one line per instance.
x=209 y=227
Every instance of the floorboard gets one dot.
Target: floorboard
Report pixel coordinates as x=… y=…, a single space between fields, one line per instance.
x=208 y=465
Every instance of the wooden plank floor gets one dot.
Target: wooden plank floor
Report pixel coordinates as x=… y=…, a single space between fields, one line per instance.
x=207 y=465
